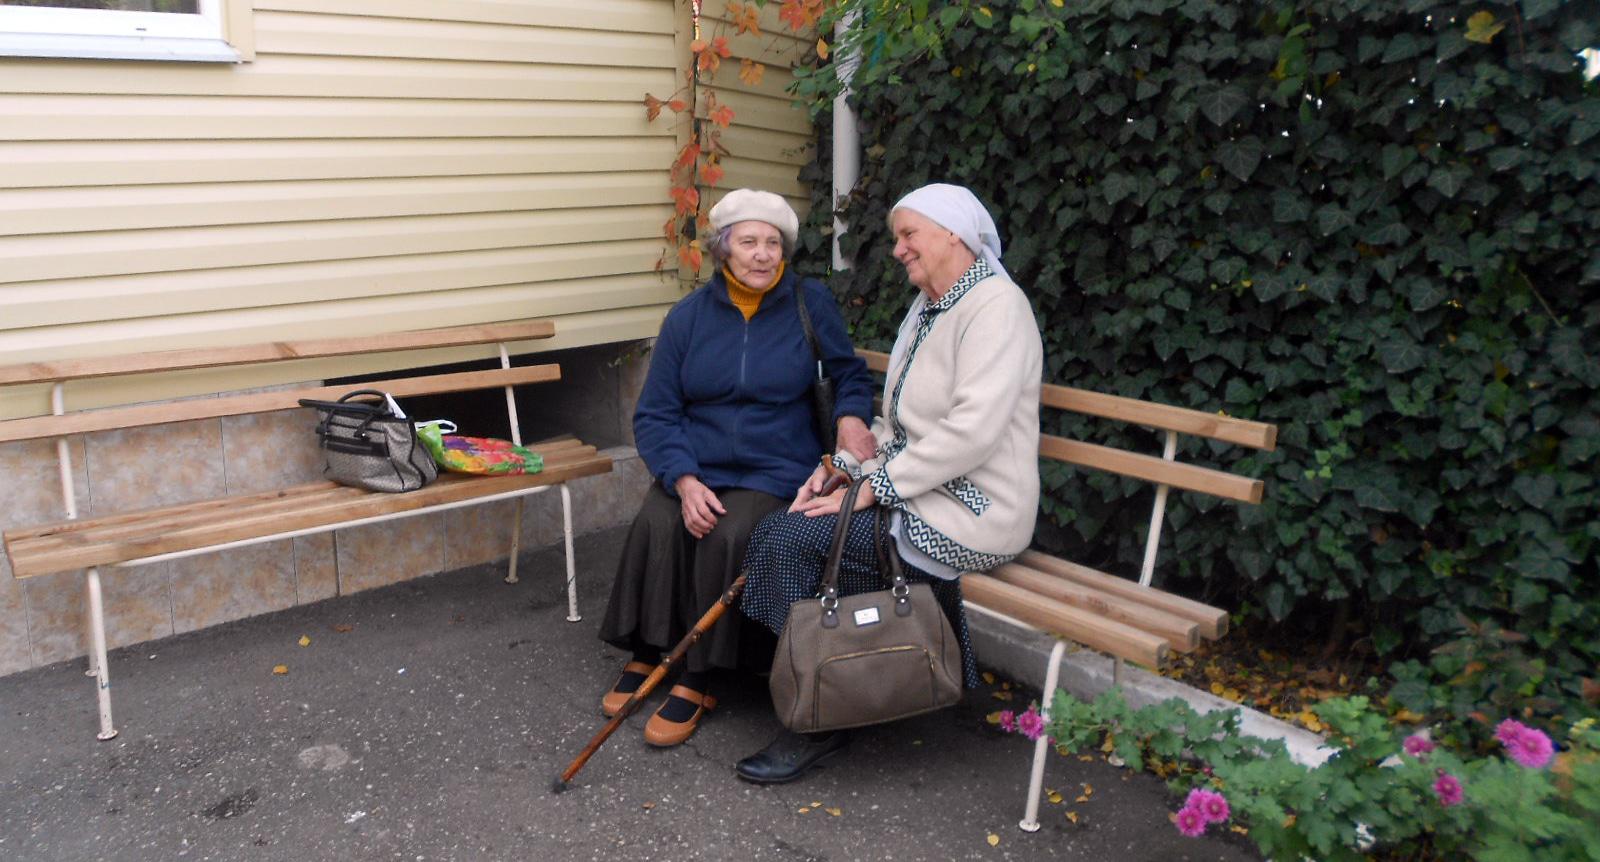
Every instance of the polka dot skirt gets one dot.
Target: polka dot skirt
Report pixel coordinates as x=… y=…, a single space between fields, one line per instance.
x=783 y=564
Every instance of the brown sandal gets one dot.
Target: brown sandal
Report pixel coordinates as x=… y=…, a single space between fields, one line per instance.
x=615 y=699
x=664 y=733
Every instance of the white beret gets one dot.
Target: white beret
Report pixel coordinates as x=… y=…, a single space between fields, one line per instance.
x=752 y=205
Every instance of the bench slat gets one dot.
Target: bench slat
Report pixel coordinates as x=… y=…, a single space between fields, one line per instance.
x=1213 y=622
x=1258 y=435
x=1181 y=633
x=1152 y=469
x=213 y=357
x=35 y=427
x=33 y=555
x=1060 y=618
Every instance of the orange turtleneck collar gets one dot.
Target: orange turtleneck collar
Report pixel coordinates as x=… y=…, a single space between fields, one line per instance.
x=745 y=299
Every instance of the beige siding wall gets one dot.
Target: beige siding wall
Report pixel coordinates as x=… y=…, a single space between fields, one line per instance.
x=380 y=165
x=770 y=139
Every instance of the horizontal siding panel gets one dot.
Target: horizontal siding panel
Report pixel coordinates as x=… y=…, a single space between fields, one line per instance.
x=770 y=48
x=105 y=163
x=45 y=211
x=341 y=77
x=382 y=313
x=126 y=297
x=349 y=36
x=572 y=330
x=36 y=118
x=646 y=16
x=749 y=173
x=761 y=112
x=767 y=146
x=172 y=250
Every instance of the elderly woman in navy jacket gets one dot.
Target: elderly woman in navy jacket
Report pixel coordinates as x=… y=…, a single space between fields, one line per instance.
x=725 y=425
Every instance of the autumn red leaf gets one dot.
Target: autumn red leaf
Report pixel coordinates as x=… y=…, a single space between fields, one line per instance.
x=746 y=18
x=800 y=15
x=687 y=199
x=689 y=256
x=677 y=105
x=688 y=154
x=720 y=45
x=751 y=72
x=708 y=62
x=822 y=49
x=697 y=46
x=652 y=107
x=722 y=116
x=710 y=173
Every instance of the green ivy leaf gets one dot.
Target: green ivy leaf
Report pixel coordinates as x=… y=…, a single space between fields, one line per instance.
x=1400 y=356
x=1221 y=103
x=1240 y=157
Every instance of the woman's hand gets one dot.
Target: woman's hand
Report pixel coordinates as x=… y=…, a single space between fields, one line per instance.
x=816 y=507
x=810 y=489
x=700 y=506
x=856 y=438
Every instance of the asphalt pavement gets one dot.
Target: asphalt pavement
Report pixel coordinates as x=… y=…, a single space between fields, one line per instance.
x=428 y=721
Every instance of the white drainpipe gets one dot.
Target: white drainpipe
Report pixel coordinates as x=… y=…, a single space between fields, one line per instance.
x=846 y=138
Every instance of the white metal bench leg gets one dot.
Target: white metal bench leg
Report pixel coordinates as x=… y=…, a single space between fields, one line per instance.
x=97 y=652
x=516 y=542
x=1030 y=819
x=572 y=571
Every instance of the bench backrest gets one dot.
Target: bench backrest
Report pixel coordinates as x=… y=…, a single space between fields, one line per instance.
x=60 y=424
x=1165 y=471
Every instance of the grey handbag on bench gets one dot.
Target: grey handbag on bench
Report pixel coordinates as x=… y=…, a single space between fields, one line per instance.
x=371 y=444
x=868 y=658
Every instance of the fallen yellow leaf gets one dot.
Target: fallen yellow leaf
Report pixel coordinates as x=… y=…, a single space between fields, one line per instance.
x=1239 y=829
x=1083 y=798
x=993 y=839
x=1073 y=816
x=648 y=805
x=834 y=811
x=805 y=810
x=993 y=717
x=988 y=678
x=280 y=669
x=1055 y=797
x=341 y=628
x=1088 y=790
x=1086 y=758
x=1109 y=745
x=305 y=640
x=816 y=805
x=1000 y=695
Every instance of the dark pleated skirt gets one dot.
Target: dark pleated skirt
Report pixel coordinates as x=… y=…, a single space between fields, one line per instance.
x=667 y=580
x=784 y=565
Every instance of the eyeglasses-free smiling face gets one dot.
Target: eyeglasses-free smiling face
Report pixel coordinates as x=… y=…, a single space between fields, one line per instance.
x=933 y=256
x=755 y=249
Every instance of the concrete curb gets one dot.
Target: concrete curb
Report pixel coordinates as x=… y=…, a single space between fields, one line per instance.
x=1021 y=654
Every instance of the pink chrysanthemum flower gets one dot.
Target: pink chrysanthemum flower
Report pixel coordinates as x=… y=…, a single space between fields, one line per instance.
x=1008 y=721
x=1031 y=723
x=1527 y=746
x=1417 y=745
x=1212 y=805
x=1448 y=788
x=1191 y=822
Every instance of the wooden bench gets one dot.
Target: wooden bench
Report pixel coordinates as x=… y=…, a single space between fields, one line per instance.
x=1130 y=620
x=170 y=532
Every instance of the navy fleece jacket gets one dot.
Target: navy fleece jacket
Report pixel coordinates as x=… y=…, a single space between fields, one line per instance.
x=730 y=401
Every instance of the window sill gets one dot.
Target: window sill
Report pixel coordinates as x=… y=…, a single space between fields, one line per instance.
x=117 y=48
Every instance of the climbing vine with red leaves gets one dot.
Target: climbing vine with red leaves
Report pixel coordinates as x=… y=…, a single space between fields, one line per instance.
x=699 y=162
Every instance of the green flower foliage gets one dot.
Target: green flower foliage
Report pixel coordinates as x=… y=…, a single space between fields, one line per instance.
x=1372 y=798
x=1372 y=223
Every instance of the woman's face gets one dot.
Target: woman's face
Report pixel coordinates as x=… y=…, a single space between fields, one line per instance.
x=928 y=252
x=755 y=249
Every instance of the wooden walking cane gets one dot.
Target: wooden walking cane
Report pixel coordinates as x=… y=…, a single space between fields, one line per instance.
x=836 y=478
x=710 y=618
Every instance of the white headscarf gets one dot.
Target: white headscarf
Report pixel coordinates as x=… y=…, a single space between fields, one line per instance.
x=956 y=209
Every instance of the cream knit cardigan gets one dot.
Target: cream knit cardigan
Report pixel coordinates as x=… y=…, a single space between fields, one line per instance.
x=958 y=444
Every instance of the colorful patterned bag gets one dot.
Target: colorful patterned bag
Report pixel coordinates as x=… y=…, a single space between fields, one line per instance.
x=483 y=456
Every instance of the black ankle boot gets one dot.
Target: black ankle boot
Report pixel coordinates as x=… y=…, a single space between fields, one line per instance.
x=790 y=755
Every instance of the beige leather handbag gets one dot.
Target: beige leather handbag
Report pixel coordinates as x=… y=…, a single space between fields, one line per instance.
x=868 y=658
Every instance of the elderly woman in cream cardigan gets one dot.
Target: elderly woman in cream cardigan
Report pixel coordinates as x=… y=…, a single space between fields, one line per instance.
x=956 y=462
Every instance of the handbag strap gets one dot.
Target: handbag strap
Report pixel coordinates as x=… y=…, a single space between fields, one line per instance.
x=887 y=561
x=805 y=324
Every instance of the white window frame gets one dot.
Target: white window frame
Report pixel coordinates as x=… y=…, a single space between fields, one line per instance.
x=42 y=31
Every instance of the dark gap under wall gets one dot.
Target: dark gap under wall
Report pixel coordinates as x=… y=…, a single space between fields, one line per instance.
x=587 y=402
